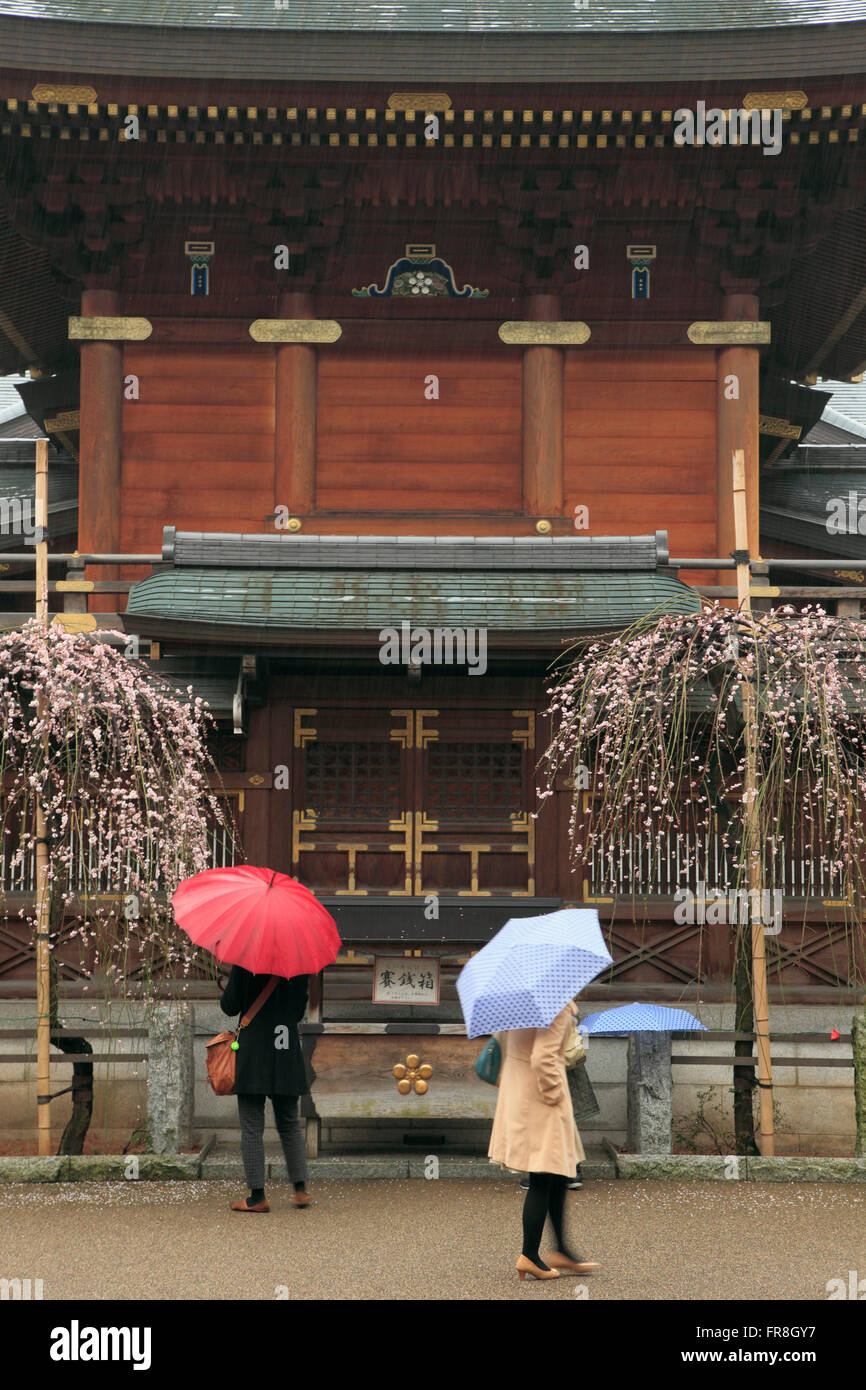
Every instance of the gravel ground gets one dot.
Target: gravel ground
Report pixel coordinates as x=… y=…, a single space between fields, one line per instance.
x=426 y=1240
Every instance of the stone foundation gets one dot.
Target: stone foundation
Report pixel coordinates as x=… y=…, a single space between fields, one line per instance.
x=360 y=1106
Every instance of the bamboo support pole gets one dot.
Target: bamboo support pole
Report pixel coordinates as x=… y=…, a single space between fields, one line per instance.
x=43 y=981
x=751 y=827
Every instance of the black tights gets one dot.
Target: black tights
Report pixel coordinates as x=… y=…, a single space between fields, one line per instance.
x=546 y=1197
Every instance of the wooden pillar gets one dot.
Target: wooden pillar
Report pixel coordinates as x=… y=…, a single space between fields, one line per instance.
x=295 y=414
x=543 y=374
x=99 y=487
x=737 y=412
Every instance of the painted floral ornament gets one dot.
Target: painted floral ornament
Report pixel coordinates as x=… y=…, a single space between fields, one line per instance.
x=420 y=271
x=421 y=284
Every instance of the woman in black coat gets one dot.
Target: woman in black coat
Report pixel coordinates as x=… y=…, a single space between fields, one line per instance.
x=269 y=1062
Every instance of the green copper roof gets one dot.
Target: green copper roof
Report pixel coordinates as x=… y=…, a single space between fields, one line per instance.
x=411 y=44
x=466 y=16
x=821 y=509
x=335 y=600
x=17 y=505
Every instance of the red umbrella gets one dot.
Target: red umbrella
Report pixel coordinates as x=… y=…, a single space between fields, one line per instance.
x=265 y=921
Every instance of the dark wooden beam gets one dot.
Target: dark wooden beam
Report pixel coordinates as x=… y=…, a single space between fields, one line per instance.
x=389 y=325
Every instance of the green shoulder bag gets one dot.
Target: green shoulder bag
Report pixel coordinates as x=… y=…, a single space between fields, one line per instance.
x=489 y=1061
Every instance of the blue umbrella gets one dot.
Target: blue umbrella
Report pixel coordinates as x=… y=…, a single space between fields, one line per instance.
x=640 y=1018
x=526 y=975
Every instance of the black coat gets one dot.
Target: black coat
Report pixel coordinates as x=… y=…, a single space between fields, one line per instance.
x=264 y=1065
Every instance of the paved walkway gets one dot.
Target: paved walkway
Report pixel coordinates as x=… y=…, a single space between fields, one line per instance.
x=416 y=1240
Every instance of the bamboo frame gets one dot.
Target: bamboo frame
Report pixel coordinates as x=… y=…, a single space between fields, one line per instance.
x=751 y=823
x=43 y=979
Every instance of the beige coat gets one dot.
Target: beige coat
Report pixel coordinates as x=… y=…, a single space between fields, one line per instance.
x=533 y=1128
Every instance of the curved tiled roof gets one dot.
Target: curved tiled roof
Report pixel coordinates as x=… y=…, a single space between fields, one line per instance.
x=669 y=40
x=321 y=601
x=466 y=16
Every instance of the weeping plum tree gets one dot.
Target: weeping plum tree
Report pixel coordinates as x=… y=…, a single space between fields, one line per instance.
x=120 y=766
x=655 y=715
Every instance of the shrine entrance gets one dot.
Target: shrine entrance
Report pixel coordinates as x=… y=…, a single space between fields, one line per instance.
x=414 y=827
x=414 y=802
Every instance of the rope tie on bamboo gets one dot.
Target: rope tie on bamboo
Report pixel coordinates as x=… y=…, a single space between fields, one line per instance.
x=83 y=1090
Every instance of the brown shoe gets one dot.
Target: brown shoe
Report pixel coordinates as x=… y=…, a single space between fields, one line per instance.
x=559 y=1261
x=242 y=1206
x=525 y=1266
x=302 y=1199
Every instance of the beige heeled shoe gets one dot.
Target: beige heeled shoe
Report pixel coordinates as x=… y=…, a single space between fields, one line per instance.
x=558 y=1261
x=525 y=1266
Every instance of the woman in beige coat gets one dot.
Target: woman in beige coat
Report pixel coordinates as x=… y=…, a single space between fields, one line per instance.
x=534 y=1132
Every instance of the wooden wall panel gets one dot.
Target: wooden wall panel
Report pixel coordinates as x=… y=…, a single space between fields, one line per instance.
x=241 y=504
x=647 y=364
x=205 y=362
x=198 y=444
x=383 y=447
x=640 y=446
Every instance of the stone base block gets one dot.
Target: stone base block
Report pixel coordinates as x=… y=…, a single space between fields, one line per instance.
x=793 y=1169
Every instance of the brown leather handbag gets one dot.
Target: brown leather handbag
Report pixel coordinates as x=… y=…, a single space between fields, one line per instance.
x=221 y=1051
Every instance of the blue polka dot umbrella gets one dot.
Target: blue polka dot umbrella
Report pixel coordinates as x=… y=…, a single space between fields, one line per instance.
x=640 y=1018
x=526 y=975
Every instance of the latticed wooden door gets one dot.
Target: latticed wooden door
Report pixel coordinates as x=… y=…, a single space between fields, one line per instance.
x=474 y=832
x=414 y=801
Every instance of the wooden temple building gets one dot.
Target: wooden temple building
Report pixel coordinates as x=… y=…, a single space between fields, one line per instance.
x=360 y=319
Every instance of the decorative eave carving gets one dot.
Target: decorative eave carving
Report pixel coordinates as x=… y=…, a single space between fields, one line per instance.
x=68 y=420
x=730 y=333
x=528 y=333
x=422 y=274
x=419 y=101
x=295 y=330
x=61 y=92
x=775 y=101
x=777 y=427
x=110 y=330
